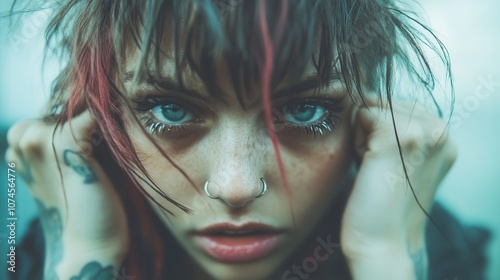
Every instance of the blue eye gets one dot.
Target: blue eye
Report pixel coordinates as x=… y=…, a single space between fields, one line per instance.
x=311 y=117
x=161 y=115
x=304 y=113
x=172 y=114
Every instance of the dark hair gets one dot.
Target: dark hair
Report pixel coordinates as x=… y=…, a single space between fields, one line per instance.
x=367 y=42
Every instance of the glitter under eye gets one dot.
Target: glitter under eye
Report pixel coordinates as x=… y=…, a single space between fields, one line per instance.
x=312 y=117
x=309 y=116
x=164 y=115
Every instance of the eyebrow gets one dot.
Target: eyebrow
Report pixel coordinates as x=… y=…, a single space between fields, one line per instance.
x=309 y=83
x=166 y=83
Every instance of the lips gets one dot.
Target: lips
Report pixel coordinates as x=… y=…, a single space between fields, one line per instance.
x=231 y=243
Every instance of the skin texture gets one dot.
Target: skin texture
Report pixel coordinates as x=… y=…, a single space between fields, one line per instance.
x=383 y=218
x=233 y=150
x=99 y=234
x=52 y=224
x=382 y=229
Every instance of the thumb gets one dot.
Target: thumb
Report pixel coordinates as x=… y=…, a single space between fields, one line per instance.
x=81 y=133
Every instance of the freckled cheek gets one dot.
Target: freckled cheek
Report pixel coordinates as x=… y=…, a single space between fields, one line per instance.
x=318 y=174
x=165 y=175
x=321 y=175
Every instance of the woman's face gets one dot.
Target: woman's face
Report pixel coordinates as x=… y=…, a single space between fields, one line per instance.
x=218 y=140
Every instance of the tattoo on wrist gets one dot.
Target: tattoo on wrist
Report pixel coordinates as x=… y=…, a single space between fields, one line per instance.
x=80 y=166
x=420 y=263
x=94 y=270
x=52 y=223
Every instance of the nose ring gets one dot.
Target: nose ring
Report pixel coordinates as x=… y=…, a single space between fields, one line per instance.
x=264 y=189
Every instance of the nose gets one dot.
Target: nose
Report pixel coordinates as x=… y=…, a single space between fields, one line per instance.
x=233 y=202
x=237 y=173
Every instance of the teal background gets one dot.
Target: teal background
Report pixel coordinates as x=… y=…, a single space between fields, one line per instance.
x=468 y=28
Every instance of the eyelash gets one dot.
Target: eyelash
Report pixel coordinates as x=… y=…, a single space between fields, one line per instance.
x=319 y=128
x=150 y=123
x=157 y=128
x=331 y=117
x=328 y=122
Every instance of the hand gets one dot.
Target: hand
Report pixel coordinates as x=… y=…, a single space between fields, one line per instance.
x=81 y=214
x=383 y=225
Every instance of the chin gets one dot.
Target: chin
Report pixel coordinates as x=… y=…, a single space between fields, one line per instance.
x=258 y=270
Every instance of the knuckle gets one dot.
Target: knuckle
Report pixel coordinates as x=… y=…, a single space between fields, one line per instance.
x=425 y=135
x=85 y=148
x=75 y=139
x=11 y=156
x=32 y=142
x=30 y=146
x=16 y=131
x=439 y=135
x=451 y=153
x=413 y=138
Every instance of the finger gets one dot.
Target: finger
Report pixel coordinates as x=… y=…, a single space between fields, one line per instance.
x=89 y=185
x=75 y=148
x=26 y=143
x=366 y=122
x=81 y=134
x=360 y=136
x=370 y=99
x=376 y=129
x=12 y=156
x=371 y=113
x=15 y=133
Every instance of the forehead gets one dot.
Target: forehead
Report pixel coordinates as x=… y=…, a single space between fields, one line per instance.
x=168 y=70
x=205 y=65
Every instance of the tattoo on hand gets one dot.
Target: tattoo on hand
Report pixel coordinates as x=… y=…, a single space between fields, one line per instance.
x=95 y=271
x=28 y=175
x=80 y=166
x=419 y=259
x=52 y=224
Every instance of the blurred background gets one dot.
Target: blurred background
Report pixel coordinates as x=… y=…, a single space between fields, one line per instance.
x=468 y=28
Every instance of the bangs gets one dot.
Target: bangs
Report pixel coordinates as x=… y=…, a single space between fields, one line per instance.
x=200 y=35
x=368 y=44
x=353 y=41
x=360 y=41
